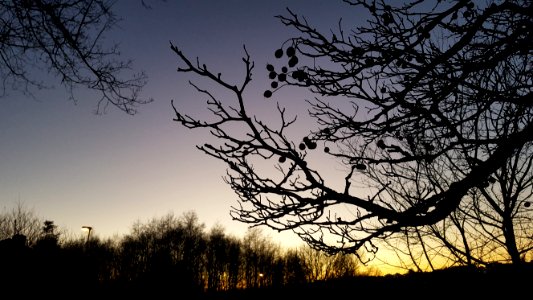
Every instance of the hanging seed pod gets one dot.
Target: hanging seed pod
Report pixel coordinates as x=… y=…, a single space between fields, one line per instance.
x=381 y=144
x=387 y=19
x=302 y=146
x=356 y=51
x=278 y=53
x=274 y=84
x=296 y=74
x=272 y=75
x=282 y=159
x=267 y=94
x=326 y=149
x=293 y=61
x=270 y=67
x=290 y=51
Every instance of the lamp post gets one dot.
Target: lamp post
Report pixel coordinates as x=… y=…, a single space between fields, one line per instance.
x=88 y=229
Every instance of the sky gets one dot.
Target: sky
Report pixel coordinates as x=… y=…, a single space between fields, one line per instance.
x=107 y=171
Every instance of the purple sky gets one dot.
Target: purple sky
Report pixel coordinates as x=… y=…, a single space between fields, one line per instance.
x=108 y=171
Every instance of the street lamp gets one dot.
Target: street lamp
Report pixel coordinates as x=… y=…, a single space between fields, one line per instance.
x=88 y=229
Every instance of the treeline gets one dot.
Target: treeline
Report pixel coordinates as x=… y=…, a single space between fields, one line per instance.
x=163 y=255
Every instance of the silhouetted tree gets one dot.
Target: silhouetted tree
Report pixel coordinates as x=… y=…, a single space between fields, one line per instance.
x=65 y=38
x=20 y=220
x=234 y=262
x=295 y=268
x=259 y=256
x=321 y=266
x=218 y=260
x=492 y=224
x=163 y=254
x=193 y=245
x=430 y=101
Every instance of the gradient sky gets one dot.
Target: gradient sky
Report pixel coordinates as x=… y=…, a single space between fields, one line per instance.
x=108 y=171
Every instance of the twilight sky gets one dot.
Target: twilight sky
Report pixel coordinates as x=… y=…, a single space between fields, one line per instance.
x=107 y=171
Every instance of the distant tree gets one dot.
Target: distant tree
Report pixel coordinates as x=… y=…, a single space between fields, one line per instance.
x=164 y=253
x=422 y=104
x=85 y=267
x=65 y=38
x=234 y=252
x=259 y=257
x=193 y=245
x=321 y=266
x=20 y=220
x=295 y=268
x=49 y=237
x=222 y=260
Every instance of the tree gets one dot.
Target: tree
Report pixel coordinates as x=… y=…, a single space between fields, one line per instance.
x=258 y=262
x=492 y=225
x=49 y=237
x=430 y=101
x=65 y=38
x=20 y=220
x=221 y=260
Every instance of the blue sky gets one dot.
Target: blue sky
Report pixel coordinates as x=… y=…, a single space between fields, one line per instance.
x=108 y=171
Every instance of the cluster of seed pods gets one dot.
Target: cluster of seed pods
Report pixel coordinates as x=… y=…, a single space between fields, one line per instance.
x=280 y=76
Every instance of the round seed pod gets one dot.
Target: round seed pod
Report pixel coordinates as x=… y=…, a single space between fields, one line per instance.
x=290 y=51
x=293 y=61
x=381 y=144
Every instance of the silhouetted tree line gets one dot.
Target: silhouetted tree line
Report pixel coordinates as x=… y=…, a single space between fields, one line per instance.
x=163 y=255
x=177 y=257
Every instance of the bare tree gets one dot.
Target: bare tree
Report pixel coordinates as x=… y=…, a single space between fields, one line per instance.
x=259 y=257
x=431 y=99
x=320 y=266
x=65 y=38
x=492 y=225
x=222 y=260
x=21 y=220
